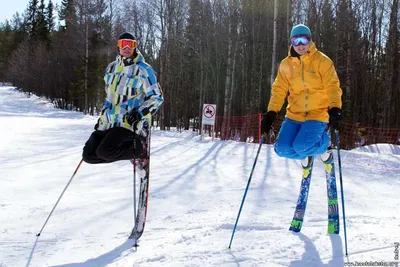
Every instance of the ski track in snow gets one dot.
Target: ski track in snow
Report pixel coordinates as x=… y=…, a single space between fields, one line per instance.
x=196 y=187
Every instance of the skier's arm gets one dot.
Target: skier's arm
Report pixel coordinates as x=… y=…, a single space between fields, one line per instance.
x=332 y=85
x=108 y=75
x=107 y=103
x=279 y=90
x=152 y=91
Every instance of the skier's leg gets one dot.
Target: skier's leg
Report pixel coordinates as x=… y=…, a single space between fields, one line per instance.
x=118 y=145
x=287 y=134
x=312 y=139
x=89 y=154
x=327 y=155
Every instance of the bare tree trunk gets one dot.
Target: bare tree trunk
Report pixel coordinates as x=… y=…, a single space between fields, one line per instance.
x=392 y=54
x=232 y=81
x=162 y=59
x=201 y=90
x=373 y=67
x=349 y=66
x=227 y=83
x=288 y=18
x=273 y=67
x=381 y=116
x=86 y=65
x=112 y=4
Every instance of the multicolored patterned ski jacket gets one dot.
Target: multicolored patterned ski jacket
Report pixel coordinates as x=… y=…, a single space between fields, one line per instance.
x=129 y=84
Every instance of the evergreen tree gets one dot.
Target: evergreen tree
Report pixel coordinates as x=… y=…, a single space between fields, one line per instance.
x=67 y=13
x=328 y=33
x=5 y=47
x=42 y=28
x=31 y=20
x=50 y=16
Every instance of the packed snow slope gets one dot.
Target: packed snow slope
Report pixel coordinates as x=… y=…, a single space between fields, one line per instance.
x=196 y=187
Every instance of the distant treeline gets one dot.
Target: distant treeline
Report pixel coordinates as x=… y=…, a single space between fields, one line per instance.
x=205 y=51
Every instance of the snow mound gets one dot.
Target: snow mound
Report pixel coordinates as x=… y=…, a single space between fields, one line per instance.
x=389 y=149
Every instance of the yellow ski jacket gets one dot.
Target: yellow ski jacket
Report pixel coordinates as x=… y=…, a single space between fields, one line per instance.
x=312 y=83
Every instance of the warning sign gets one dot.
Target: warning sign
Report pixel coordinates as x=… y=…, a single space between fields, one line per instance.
x=209 y=113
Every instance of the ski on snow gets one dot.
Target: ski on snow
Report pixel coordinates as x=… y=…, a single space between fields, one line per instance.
x=333 y=210
x=298 y=217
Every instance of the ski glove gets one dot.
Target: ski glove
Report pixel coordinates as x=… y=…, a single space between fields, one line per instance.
x=335 y=117
x=267 y=121
x=133 y=116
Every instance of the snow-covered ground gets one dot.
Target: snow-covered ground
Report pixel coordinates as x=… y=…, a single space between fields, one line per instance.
x=196 y=187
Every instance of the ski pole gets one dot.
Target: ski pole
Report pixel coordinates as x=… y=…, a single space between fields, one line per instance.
x=135 y=125
x=51 y=212
x=134 y=198
x=247 y=187
x=341 y=188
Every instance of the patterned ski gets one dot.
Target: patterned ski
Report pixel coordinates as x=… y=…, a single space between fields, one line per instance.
x=333 y=210
x=298 y=217
x=142 y=170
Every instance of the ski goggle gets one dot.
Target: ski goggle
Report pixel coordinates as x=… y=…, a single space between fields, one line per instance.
x=300 y=40
x=127 y=43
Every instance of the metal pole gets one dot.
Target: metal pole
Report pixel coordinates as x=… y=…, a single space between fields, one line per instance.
x=341 y=188
x=247 y=187
x=134 y=198
x=135 y=126
x=51 y=212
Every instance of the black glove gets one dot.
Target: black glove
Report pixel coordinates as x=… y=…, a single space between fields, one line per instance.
x=267 y=121
x=97 y=124
x=133 y=116
x=335 y=117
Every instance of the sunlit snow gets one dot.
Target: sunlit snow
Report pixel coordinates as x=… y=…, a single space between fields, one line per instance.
x=196 y=187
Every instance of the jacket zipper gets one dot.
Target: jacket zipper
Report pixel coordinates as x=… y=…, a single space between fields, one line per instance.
x=302 y=77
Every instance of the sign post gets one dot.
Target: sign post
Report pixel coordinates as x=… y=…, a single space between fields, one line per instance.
x=208 y=118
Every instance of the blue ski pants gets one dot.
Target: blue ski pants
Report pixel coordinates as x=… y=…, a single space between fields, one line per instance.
x=297 y=140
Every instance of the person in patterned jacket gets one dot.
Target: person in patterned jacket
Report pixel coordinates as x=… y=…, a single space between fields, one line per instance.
x=133 y=94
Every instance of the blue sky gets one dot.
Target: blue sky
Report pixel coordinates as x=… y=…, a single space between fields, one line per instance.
x=7 y=10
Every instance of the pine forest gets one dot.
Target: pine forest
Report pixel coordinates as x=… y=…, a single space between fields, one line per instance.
x=224 y=52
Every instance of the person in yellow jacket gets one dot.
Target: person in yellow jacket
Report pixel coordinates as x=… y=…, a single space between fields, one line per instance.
x=309 y=79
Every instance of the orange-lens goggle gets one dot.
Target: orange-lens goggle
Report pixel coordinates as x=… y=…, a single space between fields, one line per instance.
x=127 y=43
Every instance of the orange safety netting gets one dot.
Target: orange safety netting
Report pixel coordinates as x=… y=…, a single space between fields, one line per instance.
x=355 y=135
x=247 y=129
x=239 y=128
